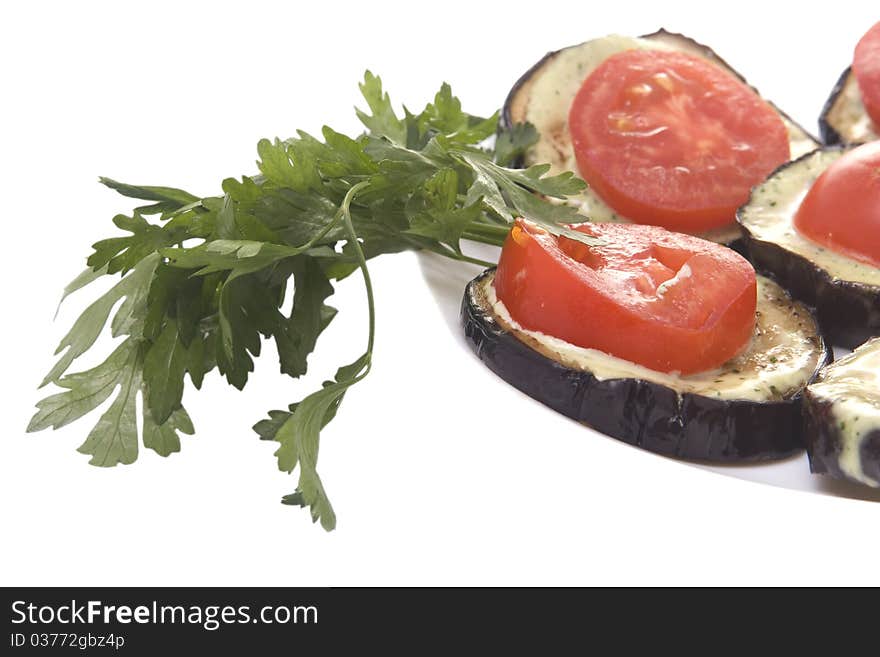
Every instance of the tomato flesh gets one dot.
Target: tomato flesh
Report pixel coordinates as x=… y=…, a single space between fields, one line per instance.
x=667 y=301
x=866 y=68
x=841 y=210
x=673 y=140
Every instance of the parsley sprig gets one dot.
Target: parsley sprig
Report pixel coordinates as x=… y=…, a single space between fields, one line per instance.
x=203 y=279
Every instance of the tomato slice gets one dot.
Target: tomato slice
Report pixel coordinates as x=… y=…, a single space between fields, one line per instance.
x=673 y=140
x=866 y=68
x=841 y=211
x=664 y=300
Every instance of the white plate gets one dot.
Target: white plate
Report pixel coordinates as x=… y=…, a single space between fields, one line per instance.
x=447 y=279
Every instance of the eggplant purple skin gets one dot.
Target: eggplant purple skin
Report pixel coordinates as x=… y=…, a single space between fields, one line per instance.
x=849 y=313
x=641 y=413
x=822 y=438
x=830 y=136
x=825 y=444
x=869 y=453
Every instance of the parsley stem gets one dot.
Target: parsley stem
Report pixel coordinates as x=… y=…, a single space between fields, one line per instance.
x=460 y=257
x=486 y=233
x=345 y=210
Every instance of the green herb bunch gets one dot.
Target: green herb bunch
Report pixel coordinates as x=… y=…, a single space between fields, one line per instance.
x=202 y=284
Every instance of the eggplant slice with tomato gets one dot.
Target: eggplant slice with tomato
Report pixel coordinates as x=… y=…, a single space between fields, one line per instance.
x=842 y=417
x=747 y=409
x=844 y=291
x=851 y=114
x=544 y=95
x=844 y=119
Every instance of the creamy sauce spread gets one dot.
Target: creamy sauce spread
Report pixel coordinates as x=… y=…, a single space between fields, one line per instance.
x=780 y=359
x=548 y=98
x=852 y=386
x=848 y=116
x=769 y=217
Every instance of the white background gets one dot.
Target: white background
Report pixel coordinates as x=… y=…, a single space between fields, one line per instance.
x=439 y=472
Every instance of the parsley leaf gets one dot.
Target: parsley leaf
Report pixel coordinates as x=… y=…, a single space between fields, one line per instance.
x=163 y=438
x=86 y=277
x=382 y=122
x=114 y=439
x=299 y=333
x=164 y=369
x=203 y=280
x=89 y=325
x=85 y=390
x=513 y=142
x=300 y=434
x=167 y=198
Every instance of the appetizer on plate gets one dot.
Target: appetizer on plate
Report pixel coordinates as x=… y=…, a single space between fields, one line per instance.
x=842 y=417
x=662 y=340
x=814 y=226
x=852 y=112
x=662 y=129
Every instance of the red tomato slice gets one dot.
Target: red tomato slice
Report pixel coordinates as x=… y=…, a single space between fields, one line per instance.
x=673 y=140
x=841 y=211
x=866 y=68
x=667 y=301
